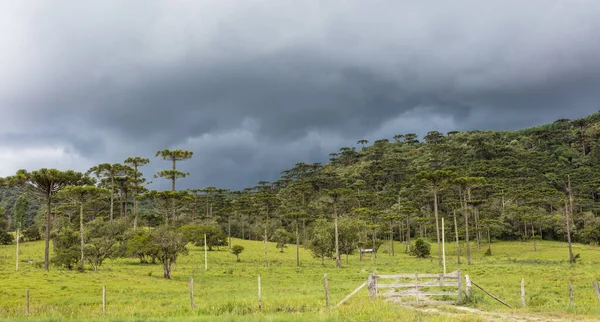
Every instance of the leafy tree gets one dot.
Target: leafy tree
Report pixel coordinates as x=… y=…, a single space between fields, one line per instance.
x=322 y=241
x=465 y=184
x=237 y=250
x=282 y=237
x=135 y=163
x=19 y=210
x=141 y=245
x=173 y=156
x=350 y=232
x=80 y=197
x=194 y=234
x=104 y=240
x=45 y=183
x=110 y=173
x=434 y=179
x=168 y=204
x=171 y=244
x=66 y=248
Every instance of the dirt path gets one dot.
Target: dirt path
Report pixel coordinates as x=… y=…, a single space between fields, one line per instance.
x=463 y=312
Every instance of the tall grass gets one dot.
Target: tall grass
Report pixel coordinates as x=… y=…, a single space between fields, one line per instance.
x=228 y=290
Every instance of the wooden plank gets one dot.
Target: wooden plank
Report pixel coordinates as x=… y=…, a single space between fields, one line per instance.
x=459 y=281
x=421 y=293
x=523 y=292
x=259 y=295
x=492 y=296
x=412 y=285
x=411 y=276
x=372 y=286
x=104 y=299
x=571 y=302
x=437 y=293
x=417 y=288
x=192 y=293
x=326 y=291
x=353 y=292
x=596 y=289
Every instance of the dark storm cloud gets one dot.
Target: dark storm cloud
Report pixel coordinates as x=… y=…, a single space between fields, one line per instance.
x=254 y=87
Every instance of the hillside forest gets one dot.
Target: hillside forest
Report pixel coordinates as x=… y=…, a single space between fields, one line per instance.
x=530 y=184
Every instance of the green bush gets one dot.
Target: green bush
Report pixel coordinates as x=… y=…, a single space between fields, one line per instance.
x=237 y=250
x=6 y=238
x=31 y=234
x=194 y=234
x=421 y=249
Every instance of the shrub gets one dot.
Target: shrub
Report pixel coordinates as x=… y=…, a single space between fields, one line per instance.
x=237 y=250
x=194 y=234
x=6 y=238
x=421 y=249
x=31 y=234
x=141 y=246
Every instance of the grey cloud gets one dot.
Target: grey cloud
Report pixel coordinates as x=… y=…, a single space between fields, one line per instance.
x=110 y=80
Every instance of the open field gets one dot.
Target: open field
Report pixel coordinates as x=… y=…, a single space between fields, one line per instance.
x=228 y=290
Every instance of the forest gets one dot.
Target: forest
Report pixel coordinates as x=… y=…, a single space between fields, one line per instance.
x=539 y=183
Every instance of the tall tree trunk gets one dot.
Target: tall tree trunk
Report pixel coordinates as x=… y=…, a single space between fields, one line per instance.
x=490 y=240
x=265 y=239
x=457 y=242
x=229 y=230
x=401 y=228
x=297 y=244
x=568 y=210
x=135 y=211
x=392 y=235
x=126 y=203
x=304 y=233
x=112 y=197
x=466 y=214
x=173 y=178
x=17 y=257
x=47 y=246
x=81 y=236
x=477 y=228
x=338 y=262
x=408 y=231
x=121 y=206
x=437 y=224
x=243 y=227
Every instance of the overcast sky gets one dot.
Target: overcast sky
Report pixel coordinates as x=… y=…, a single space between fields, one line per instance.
x=252 y=87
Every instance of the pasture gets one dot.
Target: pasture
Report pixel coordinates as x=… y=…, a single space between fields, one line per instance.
x=228 y=290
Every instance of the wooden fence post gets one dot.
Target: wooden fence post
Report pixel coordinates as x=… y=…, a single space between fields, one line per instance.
x=192 y=293
x=468 y=286
x=596 y=289
x=571 y=302
x=417 y=288
x=371 y=285
x=259 y=298
x=459 y=278
x=104 y=299
x=326 y=291
x=205 y=254
x=27 y=301
x=523 y=292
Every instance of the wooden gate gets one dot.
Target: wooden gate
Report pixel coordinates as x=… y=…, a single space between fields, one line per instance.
x=421 y=287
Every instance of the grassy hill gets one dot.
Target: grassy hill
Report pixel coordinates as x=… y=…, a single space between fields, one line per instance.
x=228 y=290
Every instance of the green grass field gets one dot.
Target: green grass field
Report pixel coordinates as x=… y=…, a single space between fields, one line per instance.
x=228 y=290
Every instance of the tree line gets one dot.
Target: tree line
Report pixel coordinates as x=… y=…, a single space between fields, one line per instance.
x=531 y=184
